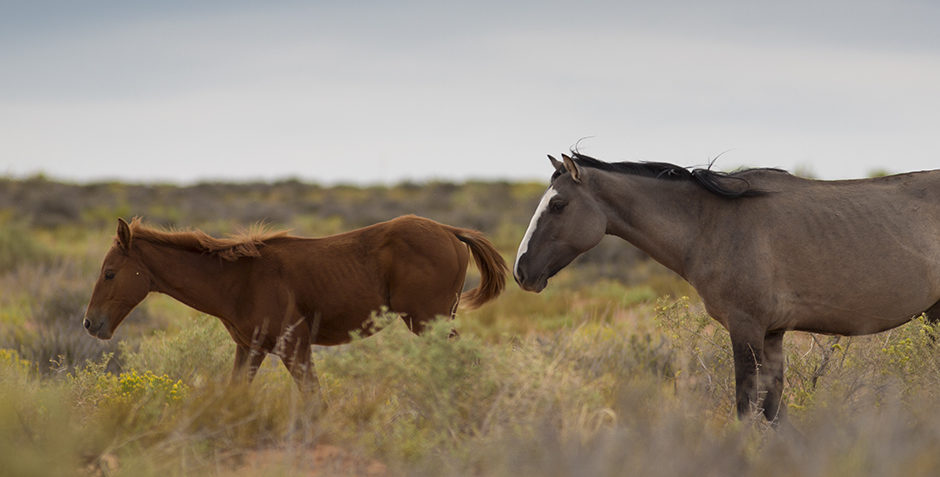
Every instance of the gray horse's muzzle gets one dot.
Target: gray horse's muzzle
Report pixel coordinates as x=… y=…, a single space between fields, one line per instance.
x=525 y=281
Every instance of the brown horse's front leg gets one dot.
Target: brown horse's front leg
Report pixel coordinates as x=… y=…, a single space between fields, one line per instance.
x=747 y=347
x=247 y=362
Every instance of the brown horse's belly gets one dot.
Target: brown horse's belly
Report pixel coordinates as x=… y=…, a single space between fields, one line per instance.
x=334 y=327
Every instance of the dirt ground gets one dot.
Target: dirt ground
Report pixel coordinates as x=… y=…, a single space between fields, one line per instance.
x=322 y=461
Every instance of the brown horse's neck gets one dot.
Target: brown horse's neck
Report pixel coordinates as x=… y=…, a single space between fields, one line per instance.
x=197 y=280
x=661 y=217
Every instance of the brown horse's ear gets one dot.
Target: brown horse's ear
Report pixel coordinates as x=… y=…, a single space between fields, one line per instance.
x=572 y=168
x=124 y=235
x=557 y=164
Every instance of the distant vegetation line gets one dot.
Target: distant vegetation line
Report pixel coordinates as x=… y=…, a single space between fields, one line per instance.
x=501 y=209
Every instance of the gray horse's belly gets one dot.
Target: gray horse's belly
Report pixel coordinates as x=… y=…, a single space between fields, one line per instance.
x=853 y=318
x=850 y=326
x=851 y=291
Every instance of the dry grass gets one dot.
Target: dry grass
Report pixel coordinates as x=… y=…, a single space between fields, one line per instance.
x=591 y=377
x=644 y=390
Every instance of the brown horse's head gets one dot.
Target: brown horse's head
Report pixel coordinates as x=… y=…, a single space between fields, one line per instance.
x=123 y=283
x=568 y=222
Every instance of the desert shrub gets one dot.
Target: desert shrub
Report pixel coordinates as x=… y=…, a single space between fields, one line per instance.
x=413 y=398
x=19 y=247
x=14 y=370
x=705 y=364
x=201 y=350
x=424 y=391
x=93 y=386
x=900 y=365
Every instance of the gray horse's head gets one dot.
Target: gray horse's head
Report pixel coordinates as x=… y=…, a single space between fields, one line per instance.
x=568 y=222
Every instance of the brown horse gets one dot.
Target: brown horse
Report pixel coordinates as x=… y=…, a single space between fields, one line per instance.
x=278 y=294
x=767 y=252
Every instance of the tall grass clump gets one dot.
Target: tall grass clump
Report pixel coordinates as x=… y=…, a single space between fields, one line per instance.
x=18 y=247
x=38 y=436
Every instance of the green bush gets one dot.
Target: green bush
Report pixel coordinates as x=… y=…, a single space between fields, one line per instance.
x=201 y=350
x=19 y=246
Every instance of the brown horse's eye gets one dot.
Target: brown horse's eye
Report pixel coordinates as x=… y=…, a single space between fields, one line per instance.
x=108 y=274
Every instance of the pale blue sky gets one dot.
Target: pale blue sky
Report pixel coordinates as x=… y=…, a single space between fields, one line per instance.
x=388 y=91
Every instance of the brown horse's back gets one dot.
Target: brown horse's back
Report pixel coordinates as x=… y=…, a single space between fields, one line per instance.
x=409 y=265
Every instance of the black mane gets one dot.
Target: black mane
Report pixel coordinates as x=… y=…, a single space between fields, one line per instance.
x=729 y=185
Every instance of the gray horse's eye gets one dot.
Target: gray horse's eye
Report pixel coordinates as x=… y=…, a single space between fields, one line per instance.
x=557 y=205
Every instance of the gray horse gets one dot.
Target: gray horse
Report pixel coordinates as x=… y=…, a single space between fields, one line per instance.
x=768 y=252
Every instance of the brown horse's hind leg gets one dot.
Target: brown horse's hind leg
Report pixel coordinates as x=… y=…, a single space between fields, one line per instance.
x=418 y=321
x=772 y=377
x=431 y=286
x=294 y=350
x=305 y=375
x=419 y=309
x=247 y=362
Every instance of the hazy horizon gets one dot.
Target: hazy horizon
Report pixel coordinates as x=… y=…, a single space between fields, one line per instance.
x=368 y=93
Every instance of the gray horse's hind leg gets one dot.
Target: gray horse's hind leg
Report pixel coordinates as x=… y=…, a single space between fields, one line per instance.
x=933 y=318
x=933 y=314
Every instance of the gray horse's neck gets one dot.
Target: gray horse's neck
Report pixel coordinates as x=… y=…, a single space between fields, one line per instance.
x=660 y=217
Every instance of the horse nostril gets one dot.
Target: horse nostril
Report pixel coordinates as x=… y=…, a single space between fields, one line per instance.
x=86 y=323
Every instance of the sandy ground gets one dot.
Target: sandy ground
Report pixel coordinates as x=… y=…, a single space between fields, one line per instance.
x=321 y=461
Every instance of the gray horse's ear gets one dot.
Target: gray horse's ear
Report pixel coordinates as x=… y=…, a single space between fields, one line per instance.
x=572 y=168
x=124 y=235
x=557 y=164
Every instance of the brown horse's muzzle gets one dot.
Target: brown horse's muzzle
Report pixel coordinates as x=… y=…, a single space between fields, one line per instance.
x=97 y=327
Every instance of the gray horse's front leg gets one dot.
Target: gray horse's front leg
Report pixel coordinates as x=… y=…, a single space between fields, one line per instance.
x=771 y=376
x=747 y=346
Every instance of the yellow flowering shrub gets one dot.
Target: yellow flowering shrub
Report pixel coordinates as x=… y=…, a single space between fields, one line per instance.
x=13 y=368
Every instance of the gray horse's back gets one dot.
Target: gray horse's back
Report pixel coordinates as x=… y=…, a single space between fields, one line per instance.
x=845 y=257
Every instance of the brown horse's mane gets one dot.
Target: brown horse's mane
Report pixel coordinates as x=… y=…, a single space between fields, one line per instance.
x=243 y=244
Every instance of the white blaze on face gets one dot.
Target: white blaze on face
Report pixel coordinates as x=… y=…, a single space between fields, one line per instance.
x=524 y=246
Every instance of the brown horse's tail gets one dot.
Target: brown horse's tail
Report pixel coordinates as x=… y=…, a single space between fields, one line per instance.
x=492 y=268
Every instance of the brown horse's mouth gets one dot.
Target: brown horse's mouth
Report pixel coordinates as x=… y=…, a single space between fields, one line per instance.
x=97 y=329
